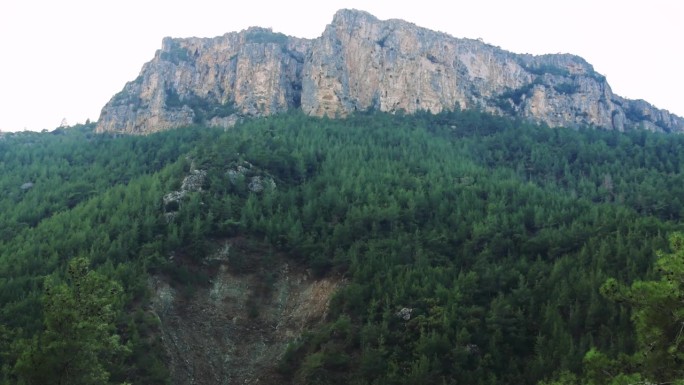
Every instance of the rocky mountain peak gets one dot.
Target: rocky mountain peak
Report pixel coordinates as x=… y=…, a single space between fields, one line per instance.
x=345 y=15
x=359 y=63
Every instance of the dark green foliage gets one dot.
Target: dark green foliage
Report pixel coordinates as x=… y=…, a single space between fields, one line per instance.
x=497 y=234
x=658 y=317
x=383 y=41
x=203 y=110
x=635 y=114
x=494 y=235
x=638 y=115
x=517 y=95
x=172 y=99
x=597 y=76
x=175 y=53
x=124 y=98
x=542 y=69
x=265 y=36
x=93 y=196
x=78 y=344
x=510 y=99
x=69 y=167
x=566 y=88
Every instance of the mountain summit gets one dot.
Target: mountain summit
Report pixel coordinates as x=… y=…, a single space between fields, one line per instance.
x=361 y=63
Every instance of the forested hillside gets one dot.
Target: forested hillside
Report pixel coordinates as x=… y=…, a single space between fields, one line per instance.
x=474 y=249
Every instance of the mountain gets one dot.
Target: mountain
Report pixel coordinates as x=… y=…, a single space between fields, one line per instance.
x=362 y=63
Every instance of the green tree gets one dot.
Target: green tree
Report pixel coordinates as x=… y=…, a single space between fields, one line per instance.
x=658 y=315
x=79 y=341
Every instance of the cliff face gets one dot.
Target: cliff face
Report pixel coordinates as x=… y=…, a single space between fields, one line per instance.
x=361 y=63
x=210 y=81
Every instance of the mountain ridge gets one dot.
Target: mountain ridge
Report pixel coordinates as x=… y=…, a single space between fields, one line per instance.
x=359 y=63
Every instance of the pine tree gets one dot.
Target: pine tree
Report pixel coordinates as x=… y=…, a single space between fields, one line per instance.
x=79 y=341
x=658 y=315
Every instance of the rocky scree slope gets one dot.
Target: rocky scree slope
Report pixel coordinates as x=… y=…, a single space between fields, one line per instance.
x=361 y=63
x=236 y=330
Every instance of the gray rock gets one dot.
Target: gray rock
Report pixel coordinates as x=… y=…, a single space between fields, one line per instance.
x=212 y=81
x=234 y=174
x=192 y=182
x=258 y=184
x=360 y=63
x=404 y=313
x=212 y=335
x=173 y=196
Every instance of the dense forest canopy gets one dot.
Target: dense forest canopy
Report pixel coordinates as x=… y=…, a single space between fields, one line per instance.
x=475 y=249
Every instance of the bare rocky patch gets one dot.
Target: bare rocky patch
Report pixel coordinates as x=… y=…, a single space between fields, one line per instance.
x=235 y=329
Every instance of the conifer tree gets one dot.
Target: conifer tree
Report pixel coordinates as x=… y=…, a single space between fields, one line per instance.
x=79 y=341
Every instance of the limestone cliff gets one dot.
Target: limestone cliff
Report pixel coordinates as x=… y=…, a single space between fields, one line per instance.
x=210 y=81
x=362 y=63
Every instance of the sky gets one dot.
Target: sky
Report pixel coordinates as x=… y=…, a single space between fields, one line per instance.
x=65 y=59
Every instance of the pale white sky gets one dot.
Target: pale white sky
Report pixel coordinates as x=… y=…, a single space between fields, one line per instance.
x=66 y=58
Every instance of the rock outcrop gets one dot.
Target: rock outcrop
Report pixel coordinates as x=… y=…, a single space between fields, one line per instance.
x=362 y=63
x=235 y=328
x=191 y=183
x=210 y=81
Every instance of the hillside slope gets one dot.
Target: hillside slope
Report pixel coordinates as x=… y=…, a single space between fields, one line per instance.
x=460 y=247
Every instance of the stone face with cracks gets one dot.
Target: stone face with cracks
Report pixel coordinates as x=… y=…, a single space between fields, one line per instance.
x=361 y=63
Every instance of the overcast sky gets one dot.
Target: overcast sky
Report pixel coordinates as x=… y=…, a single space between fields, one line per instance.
x=66 y=58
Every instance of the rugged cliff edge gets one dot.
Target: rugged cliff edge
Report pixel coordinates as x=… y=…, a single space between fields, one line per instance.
x=362 y=63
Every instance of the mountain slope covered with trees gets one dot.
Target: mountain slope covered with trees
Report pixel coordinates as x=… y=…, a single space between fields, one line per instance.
x=474 y=249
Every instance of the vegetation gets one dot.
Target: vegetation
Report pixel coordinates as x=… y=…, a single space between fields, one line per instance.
x=566 y=88
x=542 y=69
x=174 y=52
x=658 y=317
x=511 y=99
x=265 y=36
x=203 y=110
x=476 y=249
x=95 y=197
x=79 y=337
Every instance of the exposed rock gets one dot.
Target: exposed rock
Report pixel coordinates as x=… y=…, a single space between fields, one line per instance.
x=239 y=171
x=362 y=63
x=194 y=181
x=234 y=330
x=172 y=200
x=26 y=186
x=257 y=184
x=173 y=196
x=162 y=302
x=211 y=81
x=404 y=313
